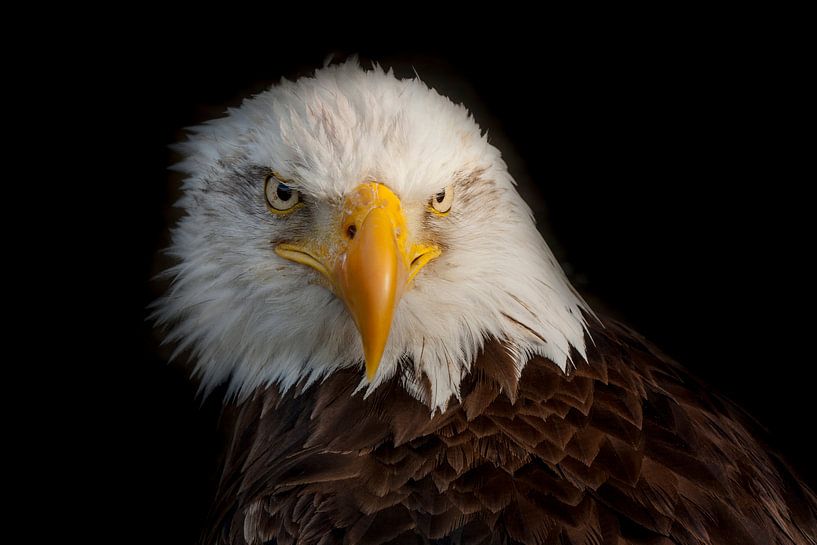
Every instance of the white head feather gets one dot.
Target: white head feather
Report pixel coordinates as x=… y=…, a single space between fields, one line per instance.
x=252 y=318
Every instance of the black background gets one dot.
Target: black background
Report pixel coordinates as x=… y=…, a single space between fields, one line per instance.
x=660 y=163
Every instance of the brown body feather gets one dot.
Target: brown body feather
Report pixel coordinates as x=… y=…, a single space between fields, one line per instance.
x=626 y=448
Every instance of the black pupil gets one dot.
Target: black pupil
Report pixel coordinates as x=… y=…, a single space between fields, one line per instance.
x=284 y=192
x=440 y=196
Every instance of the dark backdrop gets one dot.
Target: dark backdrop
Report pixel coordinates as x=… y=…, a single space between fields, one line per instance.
x=659 y=166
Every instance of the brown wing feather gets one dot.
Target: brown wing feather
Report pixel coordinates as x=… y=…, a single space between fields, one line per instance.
x=627 y=448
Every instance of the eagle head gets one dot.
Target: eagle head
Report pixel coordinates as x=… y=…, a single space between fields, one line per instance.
x=354 y=219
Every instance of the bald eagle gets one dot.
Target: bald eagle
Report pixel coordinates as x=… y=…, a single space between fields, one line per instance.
x=406 y=362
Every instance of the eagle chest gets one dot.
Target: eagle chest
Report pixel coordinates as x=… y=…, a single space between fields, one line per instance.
x=520 y=456
x=623 y=449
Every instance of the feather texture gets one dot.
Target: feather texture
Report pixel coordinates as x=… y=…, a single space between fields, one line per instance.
x=626 y=449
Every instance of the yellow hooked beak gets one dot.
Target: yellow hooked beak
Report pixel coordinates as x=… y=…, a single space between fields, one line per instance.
x=368 y=261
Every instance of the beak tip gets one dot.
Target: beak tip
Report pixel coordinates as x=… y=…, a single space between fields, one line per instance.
x=371 y=368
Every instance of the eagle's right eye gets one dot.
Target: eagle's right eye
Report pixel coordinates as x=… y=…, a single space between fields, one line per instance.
x=440 y=203
x=281 y=199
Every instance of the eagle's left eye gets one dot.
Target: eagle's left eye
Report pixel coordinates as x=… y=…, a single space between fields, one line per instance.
x=441 y=201
x=280 y=197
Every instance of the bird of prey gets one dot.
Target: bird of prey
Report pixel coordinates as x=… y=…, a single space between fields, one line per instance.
x=406 y=362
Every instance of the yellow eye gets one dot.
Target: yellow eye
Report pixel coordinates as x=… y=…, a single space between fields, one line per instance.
x=281 y=199
x=441 y=201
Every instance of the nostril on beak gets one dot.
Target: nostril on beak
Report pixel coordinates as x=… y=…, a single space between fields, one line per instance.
x=351 y=231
